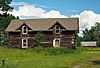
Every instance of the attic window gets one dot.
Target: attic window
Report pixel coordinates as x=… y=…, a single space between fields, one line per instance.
x=24 y=30
x=57 y=29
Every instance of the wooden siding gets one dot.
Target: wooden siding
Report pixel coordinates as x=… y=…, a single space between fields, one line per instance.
x=15 y=38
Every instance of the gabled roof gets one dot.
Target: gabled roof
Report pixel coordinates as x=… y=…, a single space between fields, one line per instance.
x=44 y=24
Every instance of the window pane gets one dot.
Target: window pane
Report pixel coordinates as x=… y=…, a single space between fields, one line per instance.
x=24 y=40
x=24 y=44
x=57 y=31
x=57 y=27
x=24 y=30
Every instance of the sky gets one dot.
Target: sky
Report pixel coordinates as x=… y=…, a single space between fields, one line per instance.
x=88 y=11
x=66 y=7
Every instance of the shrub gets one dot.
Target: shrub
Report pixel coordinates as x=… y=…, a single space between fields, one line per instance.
x=81 y=48
x=53 y=51
x=39 y=38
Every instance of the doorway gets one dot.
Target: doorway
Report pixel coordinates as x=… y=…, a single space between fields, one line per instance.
x=56 y=42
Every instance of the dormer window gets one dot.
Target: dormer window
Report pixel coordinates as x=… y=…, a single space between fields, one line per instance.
x=24 y=30
x=57 y=29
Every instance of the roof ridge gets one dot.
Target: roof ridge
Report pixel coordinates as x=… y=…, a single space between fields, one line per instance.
x=43 y=19
x=44 y=23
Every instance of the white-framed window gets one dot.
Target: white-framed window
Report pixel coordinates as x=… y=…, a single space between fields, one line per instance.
x=57 y=29
x=24 y=42
x=24 y=30
x=73 y=41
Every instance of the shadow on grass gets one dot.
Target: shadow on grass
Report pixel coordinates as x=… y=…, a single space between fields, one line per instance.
x=97 y=62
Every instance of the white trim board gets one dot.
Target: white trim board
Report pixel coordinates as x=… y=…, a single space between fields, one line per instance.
x=24 y=43
x=54 y=42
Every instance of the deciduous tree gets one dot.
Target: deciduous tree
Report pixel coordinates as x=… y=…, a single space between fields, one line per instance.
x=92 y=34
x=5 y=19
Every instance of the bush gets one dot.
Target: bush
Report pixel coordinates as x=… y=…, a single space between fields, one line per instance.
x=53 y=51
x=82 y=48
x=39 y=38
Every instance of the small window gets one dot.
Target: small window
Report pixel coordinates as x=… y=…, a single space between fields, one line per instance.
x=24 y=42
x=73 y=41
x=57 y=29
x=24 y=30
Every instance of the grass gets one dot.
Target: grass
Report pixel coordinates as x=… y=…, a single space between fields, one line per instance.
x=49 y=58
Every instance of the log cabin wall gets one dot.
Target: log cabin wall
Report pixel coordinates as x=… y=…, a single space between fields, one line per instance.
x=15 y=38
x=48 y=38
x=17 y=31
x=67 y=37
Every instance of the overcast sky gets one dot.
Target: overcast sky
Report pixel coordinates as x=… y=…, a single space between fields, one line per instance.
x=88 y=11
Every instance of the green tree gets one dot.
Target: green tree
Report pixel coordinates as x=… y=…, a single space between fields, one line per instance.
x=5 y=19
x=4 y=5
x=39 y=38
x=88 y=35
x=78 y=40
x=97 y=33
x=92 y=34
x=4 y=22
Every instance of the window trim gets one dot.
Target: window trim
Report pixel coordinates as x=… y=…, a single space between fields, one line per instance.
x=73 y=42
x=26 y=43
x=23 y=29
x=57 y=29
x=54 y=42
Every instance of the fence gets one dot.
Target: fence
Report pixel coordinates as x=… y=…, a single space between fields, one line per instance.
x=89 y=44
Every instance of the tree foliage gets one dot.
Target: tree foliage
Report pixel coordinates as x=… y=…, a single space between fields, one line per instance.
x=4 y=5
x=4 y=22
x=5 y=19
x=92 y=34
x=39 y=38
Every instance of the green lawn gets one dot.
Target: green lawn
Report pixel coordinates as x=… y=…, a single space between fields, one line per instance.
x=29 y=58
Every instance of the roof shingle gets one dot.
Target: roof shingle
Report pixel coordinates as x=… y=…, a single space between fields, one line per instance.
x=44 y=24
